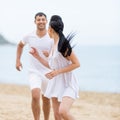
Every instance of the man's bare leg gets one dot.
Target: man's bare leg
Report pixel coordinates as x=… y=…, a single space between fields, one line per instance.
x=55 y=105
x=46 y=107
x=36 y=103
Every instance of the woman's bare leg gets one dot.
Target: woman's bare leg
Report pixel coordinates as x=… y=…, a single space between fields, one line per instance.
x=64 y=108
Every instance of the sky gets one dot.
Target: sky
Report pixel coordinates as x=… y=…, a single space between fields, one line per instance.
x=96 y=22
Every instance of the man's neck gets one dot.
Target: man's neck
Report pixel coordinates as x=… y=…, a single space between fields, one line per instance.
x=41 y=33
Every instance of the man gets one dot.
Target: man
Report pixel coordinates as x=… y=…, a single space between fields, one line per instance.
x=42 y=42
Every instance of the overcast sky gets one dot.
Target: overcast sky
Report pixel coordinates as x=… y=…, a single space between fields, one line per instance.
x=95 y=21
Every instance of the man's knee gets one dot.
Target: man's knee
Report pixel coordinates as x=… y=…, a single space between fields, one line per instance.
x=36 y=95
x=45 y=100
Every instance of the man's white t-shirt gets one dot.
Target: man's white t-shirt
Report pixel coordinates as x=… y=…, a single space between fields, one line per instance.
x=41 y=44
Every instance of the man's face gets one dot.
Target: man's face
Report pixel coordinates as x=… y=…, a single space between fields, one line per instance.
x=41 y=22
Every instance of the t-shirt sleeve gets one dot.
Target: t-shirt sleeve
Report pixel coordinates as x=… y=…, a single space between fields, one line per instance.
x=25 y=40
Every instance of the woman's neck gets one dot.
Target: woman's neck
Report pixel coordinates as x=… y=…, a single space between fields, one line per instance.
x=56 y=39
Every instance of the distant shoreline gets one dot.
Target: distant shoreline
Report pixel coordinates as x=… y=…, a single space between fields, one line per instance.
x=4 y=41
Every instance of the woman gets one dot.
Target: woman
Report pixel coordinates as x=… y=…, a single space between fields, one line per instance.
x=63 y=87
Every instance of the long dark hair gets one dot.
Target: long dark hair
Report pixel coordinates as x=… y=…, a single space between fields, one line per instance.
x=64 y=46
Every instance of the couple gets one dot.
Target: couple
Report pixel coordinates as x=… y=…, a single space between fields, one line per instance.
x=51 y=57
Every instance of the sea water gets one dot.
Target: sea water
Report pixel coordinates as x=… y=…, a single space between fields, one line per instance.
x=99 y=70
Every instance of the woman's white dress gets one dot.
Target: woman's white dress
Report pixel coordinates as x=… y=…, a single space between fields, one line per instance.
x=64 y=84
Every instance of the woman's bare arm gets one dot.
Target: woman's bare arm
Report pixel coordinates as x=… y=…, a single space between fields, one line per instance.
x=35 y=54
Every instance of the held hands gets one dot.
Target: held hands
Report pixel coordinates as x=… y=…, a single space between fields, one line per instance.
x=52 y=74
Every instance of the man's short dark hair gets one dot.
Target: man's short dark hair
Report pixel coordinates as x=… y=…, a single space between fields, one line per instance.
x=40 y=14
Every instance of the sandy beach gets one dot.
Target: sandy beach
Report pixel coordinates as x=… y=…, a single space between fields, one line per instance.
x=15 y=104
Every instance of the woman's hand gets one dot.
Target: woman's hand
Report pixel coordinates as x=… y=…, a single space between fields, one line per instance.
x=52 y=74
x=45 y=53
x=34 y=52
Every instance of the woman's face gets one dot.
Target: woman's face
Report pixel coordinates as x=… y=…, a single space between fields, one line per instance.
x=50 y=32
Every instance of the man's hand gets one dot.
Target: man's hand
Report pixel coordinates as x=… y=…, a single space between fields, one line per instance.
x=18 y=65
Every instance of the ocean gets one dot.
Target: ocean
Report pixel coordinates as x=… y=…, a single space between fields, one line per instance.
x=99 y=70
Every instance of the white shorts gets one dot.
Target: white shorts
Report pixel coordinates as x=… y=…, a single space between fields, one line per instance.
x=36 y=81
